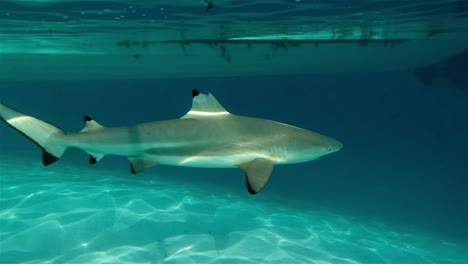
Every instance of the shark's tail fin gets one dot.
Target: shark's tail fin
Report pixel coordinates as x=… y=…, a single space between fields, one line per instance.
x=48 y=137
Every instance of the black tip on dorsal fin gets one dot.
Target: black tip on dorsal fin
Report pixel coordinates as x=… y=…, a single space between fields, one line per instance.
x=87 y=118
x=195 y=93
x=92 y=159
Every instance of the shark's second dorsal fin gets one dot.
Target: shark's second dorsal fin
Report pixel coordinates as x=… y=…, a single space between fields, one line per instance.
x=90 y=125
x=205 y=105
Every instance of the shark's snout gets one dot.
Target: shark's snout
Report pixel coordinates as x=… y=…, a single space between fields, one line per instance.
x=315 y=146
x=334 y=146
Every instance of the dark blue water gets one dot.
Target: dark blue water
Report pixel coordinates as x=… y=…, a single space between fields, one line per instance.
x=405 y=150
x=385 y=78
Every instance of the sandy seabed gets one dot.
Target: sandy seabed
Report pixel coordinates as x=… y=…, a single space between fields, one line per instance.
x=69 y=215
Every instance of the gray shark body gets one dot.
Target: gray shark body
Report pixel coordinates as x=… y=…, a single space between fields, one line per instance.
x=207 y=136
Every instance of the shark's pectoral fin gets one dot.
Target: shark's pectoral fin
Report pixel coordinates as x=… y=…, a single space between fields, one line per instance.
x=258 y=172
x=138 y=165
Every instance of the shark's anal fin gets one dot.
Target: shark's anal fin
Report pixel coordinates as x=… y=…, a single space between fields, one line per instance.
x=258 y=172
x=138 y=165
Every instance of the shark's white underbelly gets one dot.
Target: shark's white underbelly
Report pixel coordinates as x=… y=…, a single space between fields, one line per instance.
x=223 y=161
x=187 y=156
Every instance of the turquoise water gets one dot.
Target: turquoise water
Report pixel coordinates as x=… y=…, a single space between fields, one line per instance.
x=70 y=215
x=125 y=39
x=395 y=193
x=387 y=78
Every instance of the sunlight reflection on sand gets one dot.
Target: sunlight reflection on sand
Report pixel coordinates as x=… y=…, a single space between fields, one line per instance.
x=64 y=215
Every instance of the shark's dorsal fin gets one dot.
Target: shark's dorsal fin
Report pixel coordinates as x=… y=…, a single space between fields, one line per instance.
x=205 y=105
x=258 y=172
x=90 y=125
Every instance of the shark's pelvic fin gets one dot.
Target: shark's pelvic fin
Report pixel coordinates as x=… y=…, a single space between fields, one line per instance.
x=138 y=165
x=90 y=125
x=45 y=135
x=205 y=105
x=258 y=172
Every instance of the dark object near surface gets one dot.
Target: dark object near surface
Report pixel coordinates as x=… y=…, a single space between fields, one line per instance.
x=209 y=5
x=434 y=32
x=452 y=69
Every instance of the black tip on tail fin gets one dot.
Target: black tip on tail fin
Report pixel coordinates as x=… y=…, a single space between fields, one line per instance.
x=48 y=158
x=195 y=93
x=87 y=118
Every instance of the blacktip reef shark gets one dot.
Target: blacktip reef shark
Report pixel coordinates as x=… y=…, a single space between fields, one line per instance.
x=207 y=136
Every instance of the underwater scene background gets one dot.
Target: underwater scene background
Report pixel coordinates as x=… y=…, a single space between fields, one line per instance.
x=395 y=193
x=386 y=78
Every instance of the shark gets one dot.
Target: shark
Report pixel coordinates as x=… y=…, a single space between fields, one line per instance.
x=207 y=136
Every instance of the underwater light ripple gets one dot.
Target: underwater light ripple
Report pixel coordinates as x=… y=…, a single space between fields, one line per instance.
x=122 y=221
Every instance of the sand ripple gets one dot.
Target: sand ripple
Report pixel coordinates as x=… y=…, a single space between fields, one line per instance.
x=64 y=215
